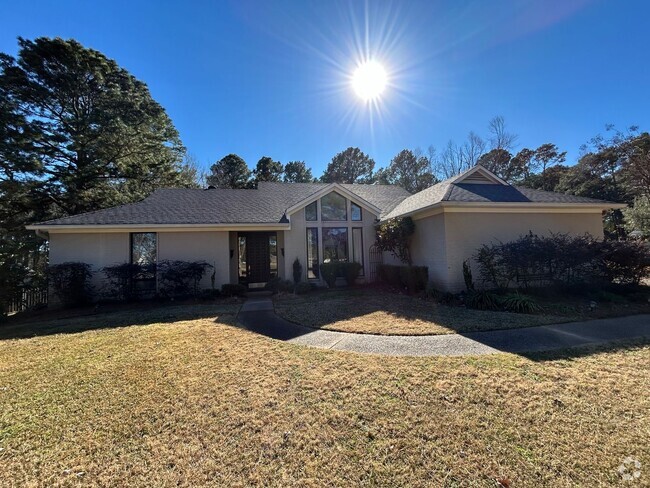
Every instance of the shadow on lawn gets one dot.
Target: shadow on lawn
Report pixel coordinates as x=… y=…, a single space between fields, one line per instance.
x=71 y=321
x=587 y=350
x=526 y=335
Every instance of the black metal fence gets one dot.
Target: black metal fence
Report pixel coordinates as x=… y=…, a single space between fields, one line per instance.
x=28 y=298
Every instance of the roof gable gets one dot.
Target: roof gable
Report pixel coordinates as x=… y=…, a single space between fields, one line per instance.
x=478 y=175
x=337 y=188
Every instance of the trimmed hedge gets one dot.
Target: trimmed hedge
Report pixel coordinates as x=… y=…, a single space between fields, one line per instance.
x=331 y=271
x=562 y=259
x=233 y=290
x=410 y=278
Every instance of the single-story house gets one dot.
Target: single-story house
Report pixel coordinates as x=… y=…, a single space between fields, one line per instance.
x=253 y=235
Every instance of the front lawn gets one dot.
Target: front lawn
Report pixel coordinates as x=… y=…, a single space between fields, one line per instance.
x=181 y=397
x=375 y=311
x=372 y=310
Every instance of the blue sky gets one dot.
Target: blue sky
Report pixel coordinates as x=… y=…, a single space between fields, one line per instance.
x=272 y=78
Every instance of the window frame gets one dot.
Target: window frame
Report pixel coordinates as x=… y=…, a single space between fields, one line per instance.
x=352 y=219
x=355 y=250
x=345 y=207
x=347 y=241
x=315 y=203
x=140 y=277
x=312 y=265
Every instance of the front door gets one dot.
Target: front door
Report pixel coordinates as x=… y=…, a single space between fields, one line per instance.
x=258 y=255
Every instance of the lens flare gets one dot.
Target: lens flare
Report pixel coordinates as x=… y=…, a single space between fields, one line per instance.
x=369 y=80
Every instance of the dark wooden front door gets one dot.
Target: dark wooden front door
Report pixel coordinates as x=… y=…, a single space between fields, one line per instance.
x=258 y=255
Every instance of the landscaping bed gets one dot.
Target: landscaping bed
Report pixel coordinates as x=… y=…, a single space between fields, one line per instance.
x=153 y=398
x=375 y=310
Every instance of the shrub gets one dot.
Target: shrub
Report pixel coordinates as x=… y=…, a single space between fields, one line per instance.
x=482 y=300
x=467 y=275
x=210 y=294
x=394 y=236
x=438 y=296
x=297 y=271
x=273 y=284
x=390 y=275
x=120 y=283
x=70 y=283
x=625 y=262
x=520 y=304
x=411 y=278
x=562 y=259
x=351 y=272
x=329 y=272
x=233 y=290
x=180 y=279
x=302 y=288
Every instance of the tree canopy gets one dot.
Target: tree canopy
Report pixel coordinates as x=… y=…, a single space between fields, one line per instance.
x=230 y=171
x=349 y=166
x=77 y=133
x=409 y=170
x=297 y=172
x=267 y=170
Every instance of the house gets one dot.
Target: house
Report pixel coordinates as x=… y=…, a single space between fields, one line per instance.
x=253 y=235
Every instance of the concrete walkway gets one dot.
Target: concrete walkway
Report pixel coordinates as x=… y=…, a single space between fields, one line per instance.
x=257 y=315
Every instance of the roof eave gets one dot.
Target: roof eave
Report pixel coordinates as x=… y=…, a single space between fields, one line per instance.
x=84 y=228
x=447 y=205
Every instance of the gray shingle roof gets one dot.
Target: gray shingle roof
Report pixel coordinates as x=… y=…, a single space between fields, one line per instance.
x=446 y=191
x=268 y=203
x=265 y=205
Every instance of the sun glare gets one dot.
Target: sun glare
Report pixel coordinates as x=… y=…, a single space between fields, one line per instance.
x=369 y=80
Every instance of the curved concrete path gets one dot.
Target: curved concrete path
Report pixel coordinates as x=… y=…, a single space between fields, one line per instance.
x=257 y=315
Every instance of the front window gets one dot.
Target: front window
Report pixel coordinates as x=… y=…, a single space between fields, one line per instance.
x=312 y=252
x=355 y=210
x=273 y=253
x=143 y=248
x=144 y=253
x=335 y=244
x=311 y=212
x=333 y=208
x=357 y=246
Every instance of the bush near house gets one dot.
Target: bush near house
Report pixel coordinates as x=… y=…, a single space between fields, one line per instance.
x=410 y=278
x=331 y=271
x=70 y=283
x=233 y=290
x=180 y=279
x=562 y=259
x=278 y=285
x=119 y=284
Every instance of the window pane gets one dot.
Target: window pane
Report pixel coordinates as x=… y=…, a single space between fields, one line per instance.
x=357 y=246
x=333 y=207
x=312 y=252
x=143 y=253
x=335 y=244
x=311 y=212
x=356 y=212
x=273 y=252
x=241 y=248
x=143 y=248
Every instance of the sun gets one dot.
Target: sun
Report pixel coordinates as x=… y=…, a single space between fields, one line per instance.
x=369 y=80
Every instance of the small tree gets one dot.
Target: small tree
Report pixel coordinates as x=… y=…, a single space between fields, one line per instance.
x=297 y=271
x=394 y=236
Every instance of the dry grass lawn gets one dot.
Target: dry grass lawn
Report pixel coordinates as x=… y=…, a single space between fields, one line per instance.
x=190 y=400
x=374 y=311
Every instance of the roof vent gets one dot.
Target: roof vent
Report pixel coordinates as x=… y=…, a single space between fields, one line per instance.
x=211 y=187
